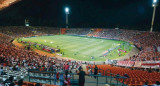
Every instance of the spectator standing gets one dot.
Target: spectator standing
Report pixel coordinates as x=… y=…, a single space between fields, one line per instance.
x=89 y=71
x=66 y=68
x=57 y=77
x=9 y=82
x=61 y=78
x=95 y=71
x=1 y=71
x=81 y=77
x=20 y=82
x=157 y=83
x=79 y=68
x=67 y=78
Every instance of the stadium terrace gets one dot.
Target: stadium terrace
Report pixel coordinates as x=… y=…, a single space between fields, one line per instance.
x=18 y=54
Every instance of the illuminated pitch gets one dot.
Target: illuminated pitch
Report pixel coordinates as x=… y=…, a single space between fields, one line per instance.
x=83 y=48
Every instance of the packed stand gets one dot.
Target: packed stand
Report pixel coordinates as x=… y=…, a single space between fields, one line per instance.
x=20 y=60
x=77 y=31
x=148 y=43
x=21 y=31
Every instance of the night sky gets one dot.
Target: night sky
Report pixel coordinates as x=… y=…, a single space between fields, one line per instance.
x=129 y=14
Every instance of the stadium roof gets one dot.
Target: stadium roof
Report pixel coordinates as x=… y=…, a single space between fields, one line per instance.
x=6 y=3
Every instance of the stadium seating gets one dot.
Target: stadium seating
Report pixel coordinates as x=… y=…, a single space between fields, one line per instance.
x=136 y=77
x=147 y=43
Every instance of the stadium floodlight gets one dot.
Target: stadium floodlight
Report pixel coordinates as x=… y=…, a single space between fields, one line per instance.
x=155 y=4
x=67 y=12
x=154 y=1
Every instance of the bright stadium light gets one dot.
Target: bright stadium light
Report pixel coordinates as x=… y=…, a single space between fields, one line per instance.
x=67 y=10
x=154 y=1
x=67 y=13
x=154 y=4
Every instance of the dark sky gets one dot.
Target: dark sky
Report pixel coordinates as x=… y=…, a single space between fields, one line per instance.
x=83 y=13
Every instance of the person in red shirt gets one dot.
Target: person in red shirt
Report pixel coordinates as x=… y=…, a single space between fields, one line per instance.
x=67 y=67
x=67 y=78
x=57 y=76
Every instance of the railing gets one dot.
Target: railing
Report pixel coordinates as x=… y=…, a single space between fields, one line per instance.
x=48 y=76
x=111 y=79
x=115 y=76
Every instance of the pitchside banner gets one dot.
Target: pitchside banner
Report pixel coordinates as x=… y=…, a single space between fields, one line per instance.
x=152 y=64
x=137 y=64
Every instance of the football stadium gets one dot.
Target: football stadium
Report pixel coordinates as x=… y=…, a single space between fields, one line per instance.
x=98 y=43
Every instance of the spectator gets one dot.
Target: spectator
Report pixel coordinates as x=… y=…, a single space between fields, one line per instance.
x=73 y=70
x=146 y=83
x=38 y=84
x=126 y=75
x=95 y=71
x=9 y=82
x=67 y=79
x=20 y=82
x=57 y=78
x=81 y=77
x=80 y=67
x=14 y=68
x=157 y=83
x=58 y=83
x=61 y=78
x=89 y=71
x=150 y=70
x=117 y=76
x=1 y=71
x=66 y=67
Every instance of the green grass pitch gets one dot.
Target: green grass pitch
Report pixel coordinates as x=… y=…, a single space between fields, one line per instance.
x=82 y=48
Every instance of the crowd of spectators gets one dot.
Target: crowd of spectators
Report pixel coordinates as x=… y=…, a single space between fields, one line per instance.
x=15 y=58
x=78 y=31
x=146 y=42
x=21 y=31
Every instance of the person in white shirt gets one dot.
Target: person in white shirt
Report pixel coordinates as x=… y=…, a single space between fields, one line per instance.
x=89 y=71
x=73 y=70
x=58 y=82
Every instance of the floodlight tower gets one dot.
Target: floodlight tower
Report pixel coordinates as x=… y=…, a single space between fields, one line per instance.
x=67 y=13
x=155 y=4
